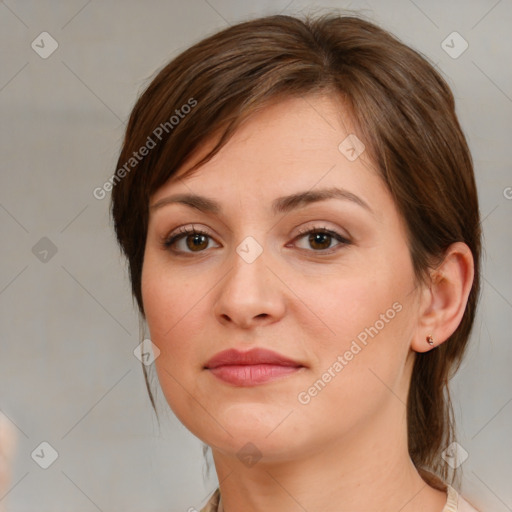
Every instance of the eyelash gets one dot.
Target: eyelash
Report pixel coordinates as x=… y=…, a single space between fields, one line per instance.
x=184 y=231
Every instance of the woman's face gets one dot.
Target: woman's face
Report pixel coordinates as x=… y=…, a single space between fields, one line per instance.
x=340 y=304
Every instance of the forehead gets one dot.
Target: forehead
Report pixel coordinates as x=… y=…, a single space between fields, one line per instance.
x=294 y=144
x=282 y=122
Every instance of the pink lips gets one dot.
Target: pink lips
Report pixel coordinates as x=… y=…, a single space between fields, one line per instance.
x=250 y=368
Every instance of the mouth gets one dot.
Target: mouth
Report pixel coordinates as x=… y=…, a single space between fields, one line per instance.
x=251 y=368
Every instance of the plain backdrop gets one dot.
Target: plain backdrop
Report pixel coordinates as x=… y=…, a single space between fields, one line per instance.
x=68 y=373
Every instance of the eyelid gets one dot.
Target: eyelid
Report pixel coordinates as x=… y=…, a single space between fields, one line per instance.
x=342 y=240
x=324 y=229
x=183 y=231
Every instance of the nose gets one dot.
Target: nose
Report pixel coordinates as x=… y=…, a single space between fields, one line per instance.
x=250 y=294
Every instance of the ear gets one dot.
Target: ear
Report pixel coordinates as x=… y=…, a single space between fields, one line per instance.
x=443 y=300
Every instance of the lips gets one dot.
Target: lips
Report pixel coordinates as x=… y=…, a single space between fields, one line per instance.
x=251 y=368
x=255 y=356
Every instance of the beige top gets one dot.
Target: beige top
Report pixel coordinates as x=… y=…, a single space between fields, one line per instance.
x=454 y=502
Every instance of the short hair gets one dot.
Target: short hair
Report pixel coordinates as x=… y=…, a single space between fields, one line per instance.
x=401 y=108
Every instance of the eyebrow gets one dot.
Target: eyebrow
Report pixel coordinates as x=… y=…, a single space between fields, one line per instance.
x=283 y=204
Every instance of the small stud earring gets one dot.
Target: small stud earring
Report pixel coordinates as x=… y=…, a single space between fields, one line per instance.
x=430 y=339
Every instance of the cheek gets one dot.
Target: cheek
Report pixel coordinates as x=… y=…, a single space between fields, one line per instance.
x=164 y=306
x=357 y=301
x=359 y=372
x=169 y=312
x=369 y=313
x=177 y=306
x=174 y=319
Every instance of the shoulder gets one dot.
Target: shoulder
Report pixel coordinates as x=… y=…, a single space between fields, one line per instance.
x=213 y=503
x=456 y=503
x=465 y=506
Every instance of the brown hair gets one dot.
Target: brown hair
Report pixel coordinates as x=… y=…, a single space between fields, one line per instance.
x=402 y=110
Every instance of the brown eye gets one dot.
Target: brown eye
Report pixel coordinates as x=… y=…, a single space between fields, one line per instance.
x=320 y=239
x=195 y=241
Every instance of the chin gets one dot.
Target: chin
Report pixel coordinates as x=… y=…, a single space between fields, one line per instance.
x=264 y=428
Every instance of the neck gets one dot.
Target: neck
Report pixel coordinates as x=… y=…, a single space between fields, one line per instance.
x=361 y=471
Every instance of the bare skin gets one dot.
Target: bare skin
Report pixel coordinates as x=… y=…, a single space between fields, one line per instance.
x=8 y=445
x=343 y=447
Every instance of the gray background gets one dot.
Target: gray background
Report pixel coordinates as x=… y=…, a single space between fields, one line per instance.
x=68 y=375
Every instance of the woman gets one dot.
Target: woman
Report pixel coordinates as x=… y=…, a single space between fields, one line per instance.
x=297 y=204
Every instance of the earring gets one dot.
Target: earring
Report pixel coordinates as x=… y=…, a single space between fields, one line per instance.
x=430 y=339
